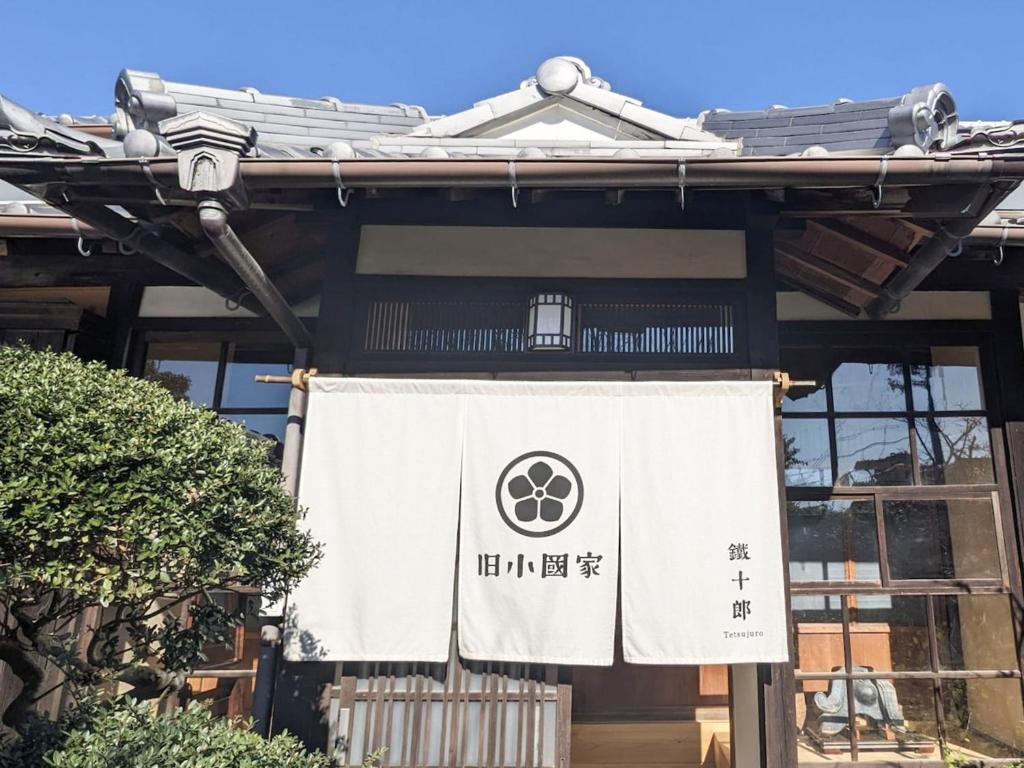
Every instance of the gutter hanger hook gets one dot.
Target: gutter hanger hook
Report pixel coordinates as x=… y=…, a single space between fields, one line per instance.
x=344 y=193
x=878 y=191
x=682 y=184
x=1002 y=243
x=513 y=182
x=148 y=173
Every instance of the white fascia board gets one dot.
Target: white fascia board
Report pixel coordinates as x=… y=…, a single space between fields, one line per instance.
x=455 y=124
x=634 y=112
x=598 y=98
x=481 y=113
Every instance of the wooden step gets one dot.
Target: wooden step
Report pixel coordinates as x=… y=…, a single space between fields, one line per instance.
x=654 y=744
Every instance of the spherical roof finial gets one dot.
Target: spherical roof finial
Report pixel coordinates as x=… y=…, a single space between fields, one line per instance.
x=558 y=75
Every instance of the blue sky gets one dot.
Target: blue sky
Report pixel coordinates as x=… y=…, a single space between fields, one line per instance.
x=680 y=57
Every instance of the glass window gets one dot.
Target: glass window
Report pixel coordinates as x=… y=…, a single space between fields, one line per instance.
x=889 y=633
x=895 y=720
x=975 y=632
x=869 y=387
x=950 y=381
x=983 y=718
x=941 y=539
x=938 y=435
x=266 y=424
x=221 y=375
x=808 y=456
x=818 y=634
x=244 y=363
x=806 y=365
x=873 y=452
x=805 y=399
x=954 y=450
x=187 y=369
x=832 y=541
x=821 y=738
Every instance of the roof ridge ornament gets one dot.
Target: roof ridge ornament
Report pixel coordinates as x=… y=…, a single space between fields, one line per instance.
x=209 y=147
x=926 y=117
x=560 y=75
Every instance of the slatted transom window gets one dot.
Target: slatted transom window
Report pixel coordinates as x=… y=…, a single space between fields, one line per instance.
x=673 y=329
x=498 y=327
x=445 y=326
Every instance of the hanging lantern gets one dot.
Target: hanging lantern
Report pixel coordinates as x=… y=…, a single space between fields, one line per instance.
x=550 y=322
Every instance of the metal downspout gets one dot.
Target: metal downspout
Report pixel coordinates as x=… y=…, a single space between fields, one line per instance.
x=213 y=217
x=270 y=631
x=948 y=241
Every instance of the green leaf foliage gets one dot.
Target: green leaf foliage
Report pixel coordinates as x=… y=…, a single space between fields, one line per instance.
x=128 y=734
x=115 y=494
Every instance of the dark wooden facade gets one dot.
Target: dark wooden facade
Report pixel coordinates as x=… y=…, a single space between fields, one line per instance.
x=367 y=325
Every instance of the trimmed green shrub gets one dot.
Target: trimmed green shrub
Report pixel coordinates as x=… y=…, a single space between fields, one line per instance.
x=115 y=494
x=127 y=734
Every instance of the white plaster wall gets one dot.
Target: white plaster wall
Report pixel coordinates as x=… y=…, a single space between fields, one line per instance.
x=922 y=305
x=552 y=252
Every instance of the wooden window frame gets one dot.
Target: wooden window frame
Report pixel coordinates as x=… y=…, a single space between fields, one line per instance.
x=903 y=338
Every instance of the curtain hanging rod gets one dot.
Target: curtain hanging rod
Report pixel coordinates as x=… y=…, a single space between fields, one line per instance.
x=300 y=378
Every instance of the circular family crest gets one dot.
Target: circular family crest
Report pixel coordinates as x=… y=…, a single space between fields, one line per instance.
x=539 y=493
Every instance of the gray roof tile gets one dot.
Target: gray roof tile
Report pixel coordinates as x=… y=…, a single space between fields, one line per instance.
x=279 y=120
x=844 y=125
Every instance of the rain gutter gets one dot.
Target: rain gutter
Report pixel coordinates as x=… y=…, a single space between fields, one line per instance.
x=705 y=173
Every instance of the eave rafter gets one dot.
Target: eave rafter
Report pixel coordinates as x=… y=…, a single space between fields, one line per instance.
x=855 y=240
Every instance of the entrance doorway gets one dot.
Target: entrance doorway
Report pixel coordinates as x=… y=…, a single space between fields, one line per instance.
x=634 y=714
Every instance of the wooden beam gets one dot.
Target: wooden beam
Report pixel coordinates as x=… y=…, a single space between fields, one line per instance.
x=863 y=240
x=819 y=295
x=827 y=268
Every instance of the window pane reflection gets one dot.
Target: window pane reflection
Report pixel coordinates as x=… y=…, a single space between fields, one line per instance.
x=806 y=364
x=807 y=453
x=818 y=636
x=983 y=718
x=869 y=387
x=954 y=450
x=268 y=425
x=873 y=452
x=832 y=541
x=811 y=744
x=188 y=370
x=889 y=633
x=895 y=720
x=240 y=387
x=941 y=539
x=975 y=632
x=951 y=382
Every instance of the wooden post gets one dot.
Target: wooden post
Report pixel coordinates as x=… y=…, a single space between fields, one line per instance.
x=1008 y=452
x=776 y=688
x=336 y=320
x=122 y=311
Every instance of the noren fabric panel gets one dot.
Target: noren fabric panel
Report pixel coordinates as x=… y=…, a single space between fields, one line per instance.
x=538 y=549
x=552 y=480
x=380 y=477
x=702 y=578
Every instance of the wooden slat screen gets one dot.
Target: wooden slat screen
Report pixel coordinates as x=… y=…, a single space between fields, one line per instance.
x=641 y=328
x=680 y=329
x=485 y=715
x=445 y=326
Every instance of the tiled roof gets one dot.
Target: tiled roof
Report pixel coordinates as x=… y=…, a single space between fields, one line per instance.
x=564 y=110
x=143 y=99
x=878 y=125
